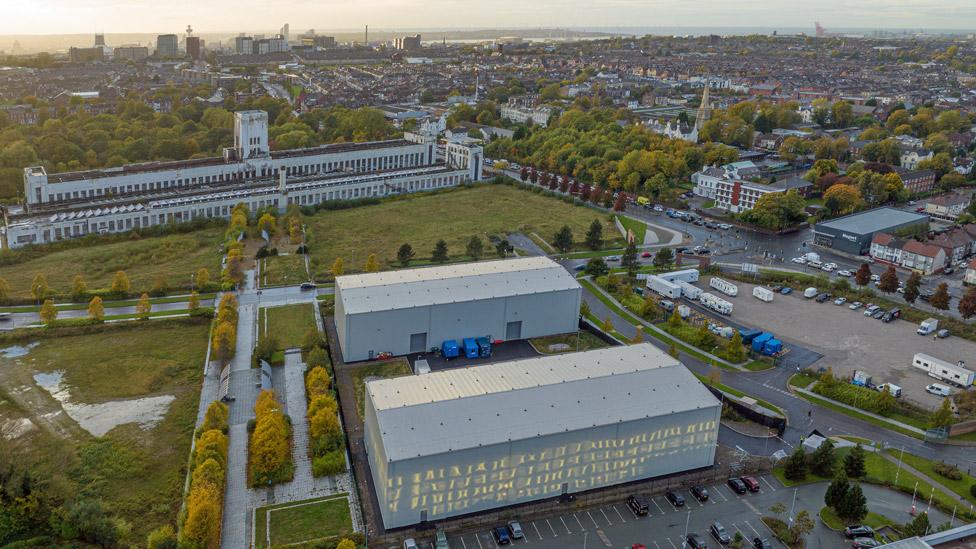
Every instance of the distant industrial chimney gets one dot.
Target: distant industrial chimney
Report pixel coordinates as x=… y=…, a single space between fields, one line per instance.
x=366 y=40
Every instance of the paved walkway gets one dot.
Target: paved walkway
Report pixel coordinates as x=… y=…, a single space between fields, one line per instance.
x=898 y=424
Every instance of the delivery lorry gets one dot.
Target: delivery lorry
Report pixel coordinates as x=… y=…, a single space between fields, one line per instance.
x=724 y=286
x=927 y=326
x=764 y=294
x=760 y=340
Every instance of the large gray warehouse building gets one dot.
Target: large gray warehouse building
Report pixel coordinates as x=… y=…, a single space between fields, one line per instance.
x=460 y=441
x=852 y=234
x=409 y=311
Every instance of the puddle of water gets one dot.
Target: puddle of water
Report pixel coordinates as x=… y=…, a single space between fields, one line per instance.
x=16 y=351
x=101 y=418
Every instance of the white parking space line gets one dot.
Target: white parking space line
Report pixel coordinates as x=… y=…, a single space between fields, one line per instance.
x=583 y=528
x=658 y=506
x=525 y=539
x=656 y=545
x=464 y=545
x=493 y=540
x=771 y=487
x=593 y=520
x=671 y=504
x=568 y=531
x=618 y=513
x=478 y=538
x=739 y=530
x=606 y=517
x=554 y=534
x=698 y=501
x=672 y=543
x=753 y=529
x=537 y=531
x=725 y=497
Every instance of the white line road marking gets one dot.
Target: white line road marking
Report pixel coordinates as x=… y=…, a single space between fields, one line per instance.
x=698 y=501
x=593 y=520
x=525 y=539
x=554 y=534
x=618 y=513
x=537 y=531
x=606 y=517
x=672 y=543
x=656 y=545
x=578 y=522
x=568 y=531
x=771 y=487
x=739 y=530
x=753 y=529
x=658 y=506
x=464 y=545
x=478 y=538
x=671 y=504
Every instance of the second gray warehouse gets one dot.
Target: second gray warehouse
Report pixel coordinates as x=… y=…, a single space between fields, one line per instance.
x=410 y=311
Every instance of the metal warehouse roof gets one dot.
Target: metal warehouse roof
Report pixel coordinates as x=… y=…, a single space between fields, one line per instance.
x=470 y=407
x=404 y=289
x=871 y=221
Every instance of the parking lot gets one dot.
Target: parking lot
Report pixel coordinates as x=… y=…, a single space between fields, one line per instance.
x=848 y=340
x=664 y=527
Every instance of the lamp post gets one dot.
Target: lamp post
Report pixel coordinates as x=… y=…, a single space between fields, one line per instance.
x=902 y=455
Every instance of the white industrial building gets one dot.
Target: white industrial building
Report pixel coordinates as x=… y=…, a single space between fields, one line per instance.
x=466 y=440
x=67 y=205
x=411 y=310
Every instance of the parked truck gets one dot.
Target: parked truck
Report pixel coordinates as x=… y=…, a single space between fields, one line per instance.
x=716 y=303
x=936 y=368
x=928 y=326
x=663 y=287
x=764 y=294
x=688 y=290
x=724 y=286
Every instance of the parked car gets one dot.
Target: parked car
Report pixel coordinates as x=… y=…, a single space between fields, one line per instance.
x=942 y=334
x=675 y=498
x=638 y=504
x=870 y=309
x=700 y=492
x=751 y=483
x=724 y=226
x=840 y=300
x=696 y=542
x=658 y=208
x=823 y=297
x=579 y=268
x=440 y=540
x=938 y=389
x=638 y=546
x=879 y=313
x=761 y=543
x=737 y=486
x=613 y=258
x=776 y=287
x=875 y=278
x=308 y=286
x=646 y=254
x=860 y=543
x=410 y=543
x=858 y=531
x=799 y=260
x=786 y=291
x=718 y=532
x=855 y=306
x=515 y=529
x=501 y=535
x=844 y=273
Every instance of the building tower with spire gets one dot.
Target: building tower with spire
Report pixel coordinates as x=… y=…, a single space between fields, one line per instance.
x=704 y=110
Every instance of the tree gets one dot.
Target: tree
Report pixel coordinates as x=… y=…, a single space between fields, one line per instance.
x=39 y=287
x=854 y=506
x=318 y=357
x=162 y=538
x=194 y=302
x=405 y=254
x=502 y=248
x=854 y=463
x=475 y=248
x=439 y=254
x=714 y=374
x=317 y=382
x=802 y=525
x=337 y=268
x=796 y=465
x=889 y=281
x=78 y=288
x=663 y=258
x=919 y=526
x=837 y=490
x=120 y=283
x=563 y=239
x=594 y=236
x=673 y=350
x=843 y=198
x=912 y=286
x=863 y=274
x=629 y=260
x=777 y=210
x=940 y=299
x=596 y=267
x=346 y=544
x=822 y=459
x=607 y=325
x=734 y=350
x=4 y=289
x=967 y=305
x=202 y=277
x=372 y=264
x=144 y=307
x=943 y=416
x=96 y=311
x=216 y=417
x=267 y=223
x=524 y=174
x=224 y=341
x=203 y=510
x=49 y=313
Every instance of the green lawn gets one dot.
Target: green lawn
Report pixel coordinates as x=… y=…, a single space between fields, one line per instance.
x=283 y=270
x=454 y=216
x=639 y=228
x=136 y=471
x=759 y=365
x=288 y=323
x=864 y=417
x=204 y=298
x=740 y=394
x=960 y=487
x=802 y=380
x=389 y=368
x=874 y=520
x=582 y=340
x=303 y=522
x=173 y=257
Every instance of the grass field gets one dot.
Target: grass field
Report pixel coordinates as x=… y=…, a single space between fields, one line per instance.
x=454 y=216
x=136 y=470
x=303 y=522
x=390 y=368
x=283 y=270
x=960 y=487
x=874 y=520
x=174 y=257
x=582 y=341
x=288 y=323
x=639 y=228
x=802 y=380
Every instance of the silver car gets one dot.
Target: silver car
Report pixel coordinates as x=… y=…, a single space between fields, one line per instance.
x=515 y=529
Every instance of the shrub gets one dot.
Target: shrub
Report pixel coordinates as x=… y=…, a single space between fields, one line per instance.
x=948 y=470
x=332 y=463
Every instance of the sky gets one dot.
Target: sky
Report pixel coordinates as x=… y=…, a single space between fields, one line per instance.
x=158 y=16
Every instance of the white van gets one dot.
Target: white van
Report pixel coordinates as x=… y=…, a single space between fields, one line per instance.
x=810 y=293
x=891 y=388
x=938 y=389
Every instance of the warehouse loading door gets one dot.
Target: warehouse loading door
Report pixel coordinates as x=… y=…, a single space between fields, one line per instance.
x=513 y=330
x=418 y=342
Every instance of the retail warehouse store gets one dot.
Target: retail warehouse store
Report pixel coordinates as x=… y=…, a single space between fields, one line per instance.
x=465 y=440
x=852 y=234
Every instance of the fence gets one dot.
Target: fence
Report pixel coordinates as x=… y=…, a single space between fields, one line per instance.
x=751 y=412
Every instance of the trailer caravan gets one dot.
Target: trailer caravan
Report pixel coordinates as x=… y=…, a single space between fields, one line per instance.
x=663 y=287
x=724 y=286
x=943 y=370
x=716 y=303
x=685 y=275
x=764 y=294
x=687 y=290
